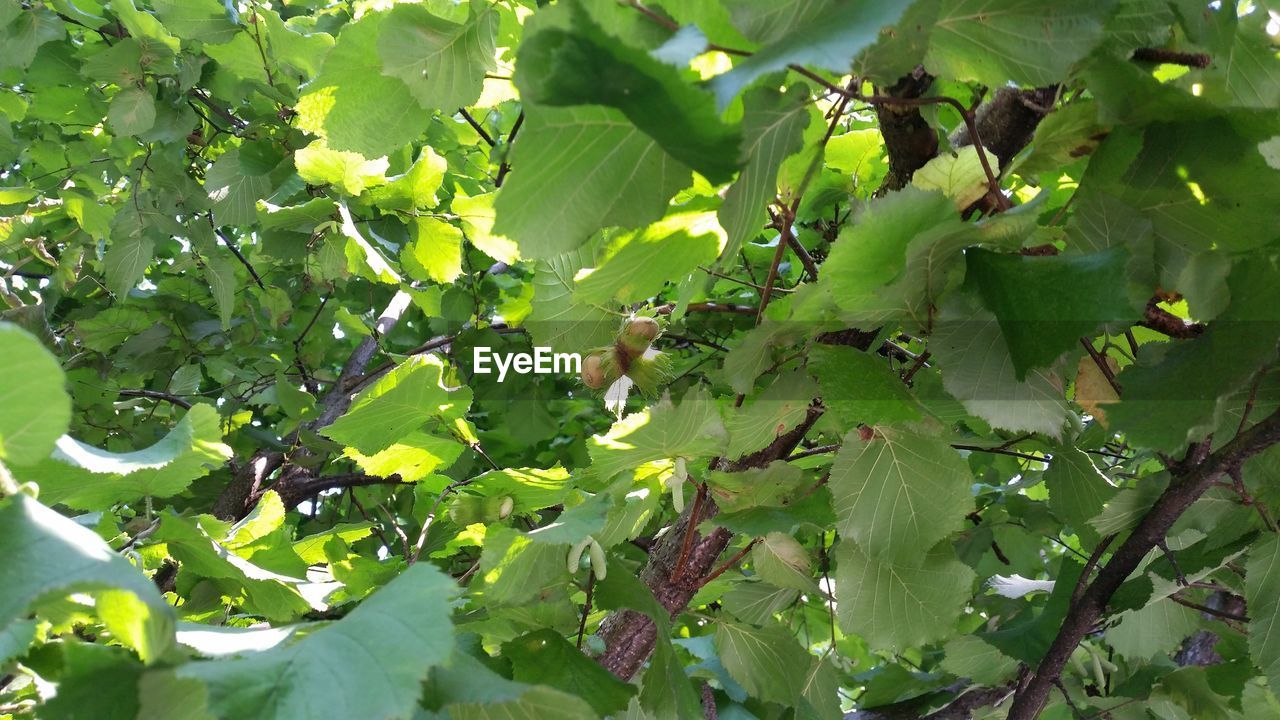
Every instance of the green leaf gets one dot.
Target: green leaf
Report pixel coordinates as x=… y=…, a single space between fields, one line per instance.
x=412 y=457
x=561 y=67
x=1038 y=319
x=93 y=675
x=1159 y=628
x=442 y=62
x=416 y=188
x=220 y=273
x=757 y=602
x=1245 y=71
x=970 y=657
x=1065 y=135
x=776 y=410
x=605 y=170
x=291 y=42
x=641 y=263
x=1077 y=491
x=958 y=175
x=860 y=388
x=871 y=252
x=780 y=560
x=400 y=402
x=994 y=42
x=1262 y=597
x=435 y=250
x=898 y=493
x=261 y=591
x=691 y=429
x=558 y=320
x=828 y=40
x=1194 y=201
x=754 y=488
x=321 y=165
x=133 y=112
x=896 y=605
x=49 y=556
x=34 y=407
x=469 y=690
x=83 y=476
x=978 y=371
x=23 y=37
x=205 y=20
x=546 y=658
x=129 y=251
x=352 y=105
x=235 y=189
x=767 y=662
x=1173 y=398
x=391 y=641
x=773 y=124
x=517 y=569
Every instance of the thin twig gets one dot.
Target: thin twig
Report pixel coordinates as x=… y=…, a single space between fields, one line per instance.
x=1089 y=565
x=586 y=607
x=820 y=450
x=737 y=557
x=157 y=395
x=477 y=127
x=689 y=532
x=426 y=523
x=239 y=256
x=788 y=217
x=1209 y=611
x=505 y=167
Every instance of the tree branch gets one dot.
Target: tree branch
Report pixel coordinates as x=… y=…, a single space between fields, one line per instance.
x=629 y=636
x=908 y=139
x=1162 y=321
x=300 y=489
x=1190 y=480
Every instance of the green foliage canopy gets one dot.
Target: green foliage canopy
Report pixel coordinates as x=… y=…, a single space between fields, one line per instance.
x=965 y=398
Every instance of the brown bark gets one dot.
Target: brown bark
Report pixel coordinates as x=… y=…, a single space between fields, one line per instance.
x=1008 y=121
x=909 y=140
x=629 y=636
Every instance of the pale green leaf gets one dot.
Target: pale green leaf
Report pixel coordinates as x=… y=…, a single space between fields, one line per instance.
x=640 y=264
x=34 y=407
x=897 y=606
x=776 y=410
x=48 y=556
x=899 y=492
x=691 y=429
x=828 y=39
x=772 y=125
x=767 y=661
x=133 y=112
x=400 y=402
x=82 y=476
x=352 y=104
x=442 y=62
x=603 y=169
x=1028 y=42
x=390 y=642
x=1262 y=597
